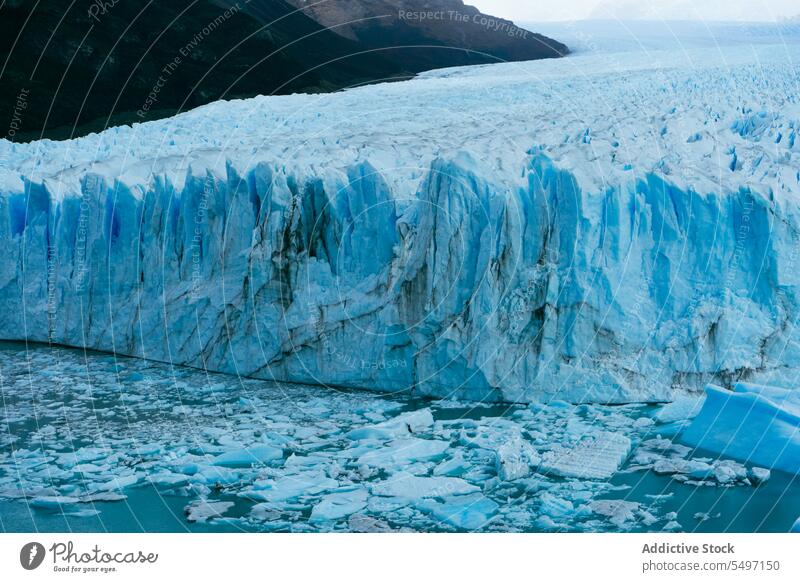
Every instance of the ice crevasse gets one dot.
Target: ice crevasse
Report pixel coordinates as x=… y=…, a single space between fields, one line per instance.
x=586 y=230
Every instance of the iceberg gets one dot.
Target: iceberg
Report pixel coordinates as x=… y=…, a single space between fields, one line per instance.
x=753 y=424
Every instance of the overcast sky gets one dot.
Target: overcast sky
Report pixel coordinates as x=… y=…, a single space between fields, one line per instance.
x=544 y=10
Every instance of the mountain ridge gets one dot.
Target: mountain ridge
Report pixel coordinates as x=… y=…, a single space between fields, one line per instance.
x=70 y=72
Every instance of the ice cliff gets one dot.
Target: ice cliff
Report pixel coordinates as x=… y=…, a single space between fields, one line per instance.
x=591 y=229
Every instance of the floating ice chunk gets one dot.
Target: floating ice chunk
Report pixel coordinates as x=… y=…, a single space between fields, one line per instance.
x=749 y=427
x=359 y=523
x=203 y=510
x=758 y=475
x=618 y=511
x=216 y=476
x=293 y=486
x=338 y=505
x=406 y=424
x=168 y=478
x=545 y=522
x=554 y=506
x=117 y=483
x=82 y=513
x=729 y=472
x=403 y=451
x=249 y=456
x=409 y=486
x=299 y=461
x=682 y=408
x=598 y=456
x=466 y=512
x=697 y=469
x=515 y=459
x=53 y=501
x=104 y=496
x=83 y=455
x=148 y=450
x=264 y=512
x=454 y=467
x=89 y=468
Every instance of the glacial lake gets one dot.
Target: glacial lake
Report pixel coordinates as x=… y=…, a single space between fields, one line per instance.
x=91 y=442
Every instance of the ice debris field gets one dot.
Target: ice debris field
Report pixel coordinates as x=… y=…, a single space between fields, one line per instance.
x=92 y=443
x=613 y=227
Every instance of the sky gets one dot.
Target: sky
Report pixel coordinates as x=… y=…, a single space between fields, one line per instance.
x=554 y=10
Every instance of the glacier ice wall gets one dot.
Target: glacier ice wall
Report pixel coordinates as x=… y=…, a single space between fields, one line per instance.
x=602 y=264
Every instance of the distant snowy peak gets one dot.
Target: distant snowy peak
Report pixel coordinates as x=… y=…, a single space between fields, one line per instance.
x=706 y=11
x=645 y=36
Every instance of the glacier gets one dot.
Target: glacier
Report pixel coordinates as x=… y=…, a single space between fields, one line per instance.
x=604 y=228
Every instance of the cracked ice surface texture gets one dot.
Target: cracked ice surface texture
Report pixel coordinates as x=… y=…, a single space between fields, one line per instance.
x=603 y=228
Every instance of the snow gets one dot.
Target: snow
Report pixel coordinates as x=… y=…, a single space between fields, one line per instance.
x=609 y=227
x=752 y=424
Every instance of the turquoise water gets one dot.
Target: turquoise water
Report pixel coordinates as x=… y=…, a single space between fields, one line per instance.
x=97 y=443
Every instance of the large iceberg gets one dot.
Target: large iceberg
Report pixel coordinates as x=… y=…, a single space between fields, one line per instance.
x=594 y=229
x=752 y=423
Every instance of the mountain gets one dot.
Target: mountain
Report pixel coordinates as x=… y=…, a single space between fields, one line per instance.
x=71 y=70
x=445 y=30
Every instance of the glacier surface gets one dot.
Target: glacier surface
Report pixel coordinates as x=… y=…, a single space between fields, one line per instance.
x=600 y=228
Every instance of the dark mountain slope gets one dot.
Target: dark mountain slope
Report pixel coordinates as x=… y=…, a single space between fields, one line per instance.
x=379 y=24
x=67 y=69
